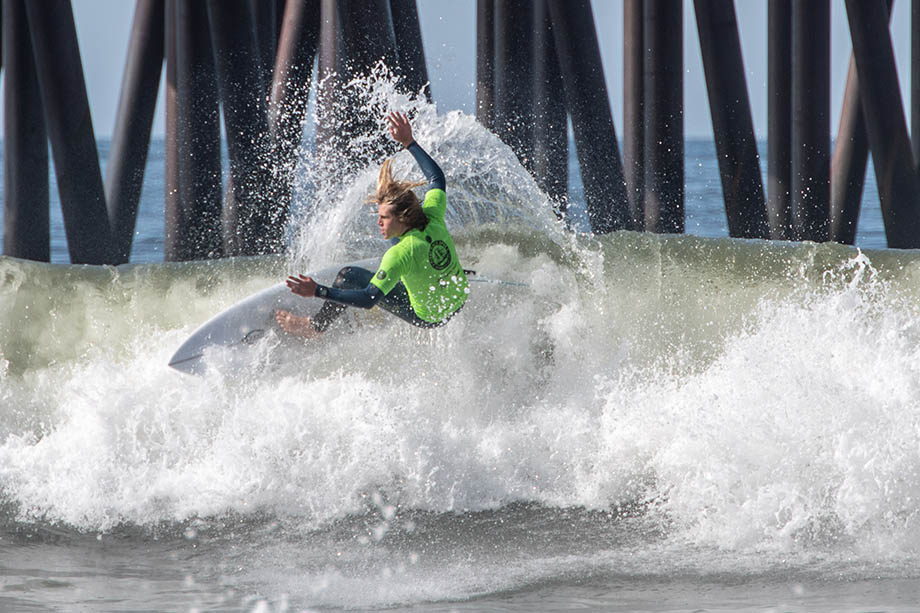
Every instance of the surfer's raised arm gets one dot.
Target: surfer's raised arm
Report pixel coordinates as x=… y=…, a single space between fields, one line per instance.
x=420 y=279
x=401 y=132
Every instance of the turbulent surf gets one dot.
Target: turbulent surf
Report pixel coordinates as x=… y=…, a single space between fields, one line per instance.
x=644 y=404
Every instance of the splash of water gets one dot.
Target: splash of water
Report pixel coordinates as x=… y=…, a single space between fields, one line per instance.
x=745 y=395
x=486 y=185
x=777 y=418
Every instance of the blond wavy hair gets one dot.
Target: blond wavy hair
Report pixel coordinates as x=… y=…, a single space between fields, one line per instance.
x=407 y=208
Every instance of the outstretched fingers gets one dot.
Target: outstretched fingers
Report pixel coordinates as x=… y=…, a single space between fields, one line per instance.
x=400 y=129
x=302 y=285
x=395 y=118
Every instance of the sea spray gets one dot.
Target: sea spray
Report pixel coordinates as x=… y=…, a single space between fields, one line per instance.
x=640 y=404
x=557 y=396
x=485 y=182
x=801 y=432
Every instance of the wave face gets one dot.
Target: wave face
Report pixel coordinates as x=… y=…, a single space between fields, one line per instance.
x=642 y=398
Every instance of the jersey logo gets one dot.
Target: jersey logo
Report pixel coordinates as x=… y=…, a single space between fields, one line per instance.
x=439 y=255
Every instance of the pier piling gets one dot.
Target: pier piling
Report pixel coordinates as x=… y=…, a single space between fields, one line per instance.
x=848 y=164
x=195 y=228
x=26 y=223
x=811 y=134
x=485 y=62
x=898 y=184
x=550 y=121
x=70 y=129
x=732 y=125
x=514 y=77
x=849 y=161
x=252 y=225
x=409 y=48
x=779 y=119
x=588 y=107
x=265 y=25
x=293 y=75
x=249 y=65
x=634 y=109
x=914 y=79
x=127 y=162
x=664 y=117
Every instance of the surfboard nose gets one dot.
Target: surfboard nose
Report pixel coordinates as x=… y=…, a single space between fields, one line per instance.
x=189 y=364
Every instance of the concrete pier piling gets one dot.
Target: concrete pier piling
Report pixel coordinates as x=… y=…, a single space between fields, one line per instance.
x=194 y=229
x=633 y=109
x=914 y=80
x=779 y=119
x=848 y=164
x=732 y=125
x=127 y=164
x=26 y=232
x=550 y=121
x=588 y=106
x=514 y=77
x=409 y=47
x=485 y=62
x=849 y=161
x=292 y=77
x=252 y=225
x=70 y=130
x=664 y=117
x=248 y=65
x=266 y=25
x=898 y=184
x=811 y=135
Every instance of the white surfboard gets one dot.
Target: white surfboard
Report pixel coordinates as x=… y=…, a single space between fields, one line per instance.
x=245 y=323
x=250 y=319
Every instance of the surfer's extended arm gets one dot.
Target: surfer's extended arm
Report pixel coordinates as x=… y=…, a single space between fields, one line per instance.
x=401 y=131
x=364 y=298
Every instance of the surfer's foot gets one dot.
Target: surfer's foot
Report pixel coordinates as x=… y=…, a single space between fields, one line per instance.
x=297 y=326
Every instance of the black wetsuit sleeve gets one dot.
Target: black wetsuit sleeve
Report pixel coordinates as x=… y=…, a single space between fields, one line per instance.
x=363 y=298
x=429 y=167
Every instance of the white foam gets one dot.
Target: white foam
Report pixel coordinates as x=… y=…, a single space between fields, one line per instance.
x=756 y=397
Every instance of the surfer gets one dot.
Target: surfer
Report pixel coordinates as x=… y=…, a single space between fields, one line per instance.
x=420 y=279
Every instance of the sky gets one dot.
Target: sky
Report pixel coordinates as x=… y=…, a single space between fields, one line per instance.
x=449 y=35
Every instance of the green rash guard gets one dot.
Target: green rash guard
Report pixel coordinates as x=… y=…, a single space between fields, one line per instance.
x=426 y=262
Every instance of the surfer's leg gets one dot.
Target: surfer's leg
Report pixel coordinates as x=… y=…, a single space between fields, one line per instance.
x=350 y=277
x=397 y=303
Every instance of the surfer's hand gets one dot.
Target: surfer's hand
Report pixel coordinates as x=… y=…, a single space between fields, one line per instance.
x=400 y=129
x=302 y=286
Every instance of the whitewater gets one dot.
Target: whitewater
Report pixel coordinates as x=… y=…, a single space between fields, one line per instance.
x=660 y=423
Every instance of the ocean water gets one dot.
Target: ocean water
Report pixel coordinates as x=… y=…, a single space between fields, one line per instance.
x=650 y=423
